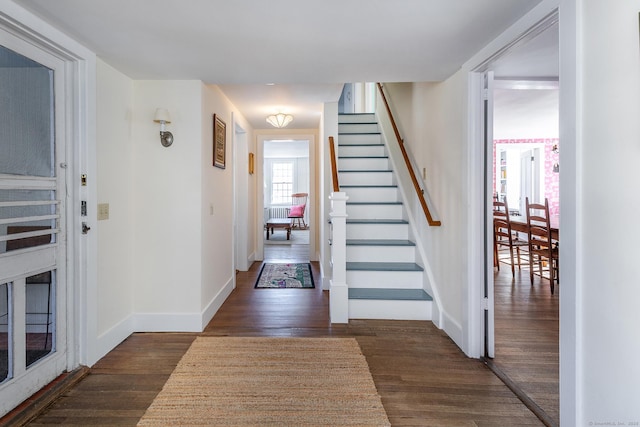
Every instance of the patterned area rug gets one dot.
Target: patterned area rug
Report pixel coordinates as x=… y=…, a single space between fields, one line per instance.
x=285 y=276
x=267 y=381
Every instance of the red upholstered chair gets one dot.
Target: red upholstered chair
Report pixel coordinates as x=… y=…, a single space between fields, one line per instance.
x=297 y=209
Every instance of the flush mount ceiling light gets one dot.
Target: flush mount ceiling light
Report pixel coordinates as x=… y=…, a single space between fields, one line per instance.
x=279 y=120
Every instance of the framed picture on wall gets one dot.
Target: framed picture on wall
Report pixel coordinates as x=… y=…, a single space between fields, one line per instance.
x=219 y=142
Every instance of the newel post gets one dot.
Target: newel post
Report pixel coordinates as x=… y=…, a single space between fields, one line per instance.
x=339 y=292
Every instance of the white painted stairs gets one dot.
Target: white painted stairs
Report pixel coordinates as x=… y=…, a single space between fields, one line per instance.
x=384 y=279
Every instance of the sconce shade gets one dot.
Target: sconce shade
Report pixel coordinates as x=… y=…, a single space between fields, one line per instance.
x=279 y=120
x=162 y=115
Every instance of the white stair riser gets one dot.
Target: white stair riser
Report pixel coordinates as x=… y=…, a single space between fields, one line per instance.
x=357 y=118
x=361 y=150
x=359 y=139
x=374 y=211
x=358 y=128
x=384 y=279
x=350 y=164
x=381 y=253
x=378 y=231
x=366 y=178
x=371 y=194
x=390 y=310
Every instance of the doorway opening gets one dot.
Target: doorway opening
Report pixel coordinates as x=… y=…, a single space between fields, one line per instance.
x=521 y=162
x=286 y=202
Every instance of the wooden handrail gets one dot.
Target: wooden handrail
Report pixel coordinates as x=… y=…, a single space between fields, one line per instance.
x=334 y=166
x=412 y=173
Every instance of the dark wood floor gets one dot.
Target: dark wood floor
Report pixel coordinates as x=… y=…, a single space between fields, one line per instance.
x=527 y=336
x=423 y=377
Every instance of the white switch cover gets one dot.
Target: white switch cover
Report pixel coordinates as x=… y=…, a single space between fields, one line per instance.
x=103 y=211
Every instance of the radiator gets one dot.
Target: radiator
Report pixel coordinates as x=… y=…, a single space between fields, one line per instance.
x=278 y=212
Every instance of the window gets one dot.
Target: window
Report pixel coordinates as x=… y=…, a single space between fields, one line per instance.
x=281 y=182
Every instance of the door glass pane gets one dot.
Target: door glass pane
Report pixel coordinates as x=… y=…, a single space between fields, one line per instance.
x=26 y=122
x=24 y=211
x=4 y=331
x=40 y=325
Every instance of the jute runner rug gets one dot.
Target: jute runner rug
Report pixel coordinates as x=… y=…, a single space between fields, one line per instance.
x=240 y=381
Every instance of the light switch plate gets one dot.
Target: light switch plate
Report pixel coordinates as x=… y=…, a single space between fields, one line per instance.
x=103 y=211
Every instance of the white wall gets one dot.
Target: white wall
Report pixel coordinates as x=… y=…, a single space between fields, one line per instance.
x=115 y=182
x=167 y=205
x=431 y=119
x=605 y=198
x=165 y=261
x=216 y=250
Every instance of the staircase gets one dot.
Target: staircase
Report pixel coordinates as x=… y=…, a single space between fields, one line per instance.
x=384 y=280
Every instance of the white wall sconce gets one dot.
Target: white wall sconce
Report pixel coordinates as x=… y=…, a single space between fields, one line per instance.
x=162 y=117
x=279 y=120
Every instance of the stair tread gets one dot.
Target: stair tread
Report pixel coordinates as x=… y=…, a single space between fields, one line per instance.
x=358 y=123
x=356 y=133
x=374 y=203
x=384 y=266
x=376 y=221
x=370 y=186
x=366 y=171
x=389 y=294
x=379 y=242
x=362 y=145
x=363 y=157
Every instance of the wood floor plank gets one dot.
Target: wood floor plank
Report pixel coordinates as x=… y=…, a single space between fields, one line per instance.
x=527 y=325
x=422 y=376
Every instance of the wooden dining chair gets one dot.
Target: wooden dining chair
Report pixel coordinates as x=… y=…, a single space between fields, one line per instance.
x=543 y=251
x=505 y=237
x=296 y=211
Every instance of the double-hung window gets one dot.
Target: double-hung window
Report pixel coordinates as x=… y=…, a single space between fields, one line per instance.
x=281 y=182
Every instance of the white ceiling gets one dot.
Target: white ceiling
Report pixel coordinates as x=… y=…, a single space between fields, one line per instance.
x=282 y=149
x=526 y=103
x=308 y=48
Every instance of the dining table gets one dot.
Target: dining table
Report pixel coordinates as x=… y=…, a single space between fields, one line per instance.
x=519 y=224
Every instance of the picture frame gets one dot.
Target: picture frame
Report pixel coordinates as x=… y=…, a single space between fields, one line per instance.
x=219 y=142
x=251 y=163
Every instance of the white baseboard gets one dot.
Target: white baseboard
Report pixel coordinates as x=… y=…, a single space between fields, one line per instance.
x=157 y=322
x=168 y=322
x=182 y=322
x=109 y=340
x=453 y=329
x=324 y=280
x=215 y=304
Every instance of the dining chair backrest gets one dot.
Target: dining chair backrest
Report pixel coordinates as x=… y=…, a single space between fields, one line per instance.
x=541 y=244
x=539 y=225
x=501 y=221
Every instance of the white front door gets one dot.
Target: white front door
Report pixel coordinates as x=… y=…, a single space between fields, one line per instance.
x=33 y=339
x=530 y=184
